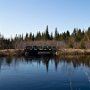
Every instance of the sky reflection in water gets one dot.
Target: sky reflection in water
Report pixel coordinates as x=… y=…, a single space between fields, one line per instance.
x=45 y=73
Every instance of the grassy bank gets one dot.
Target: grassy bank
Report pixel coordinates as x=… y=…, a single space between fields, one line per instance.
x=11 y=52
x=73 y=52
x=19 y=52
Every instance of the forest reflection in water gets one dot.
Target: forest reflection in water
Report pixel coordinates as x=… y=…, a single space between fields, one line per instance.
x=45 y=73
x=75 y=61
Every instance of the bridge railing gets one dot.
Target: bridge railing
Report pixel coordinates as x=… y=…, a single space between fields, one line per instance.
x=48 y=48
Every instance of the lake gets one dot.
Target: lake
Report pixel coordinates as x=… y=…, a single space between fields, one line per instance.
x=45 y=73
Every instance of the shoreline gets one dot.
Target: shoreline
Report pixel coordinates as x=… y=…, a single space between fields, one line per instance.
x=64 y=52
x=11 y=52
x=73 y=52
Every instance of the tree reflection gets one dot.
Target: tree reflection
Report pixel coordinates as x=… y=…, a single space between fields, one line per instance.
x=76 y=61
x=56 y=61
x=1 y=61
x=45 y=61
x=8 y=61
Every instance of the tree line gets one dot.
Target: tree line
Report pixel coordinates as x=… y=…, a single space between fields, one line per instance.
x=77 y=39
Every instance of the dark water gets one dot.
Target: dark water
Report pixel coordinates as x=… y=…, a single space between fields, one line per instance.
x=45 y=73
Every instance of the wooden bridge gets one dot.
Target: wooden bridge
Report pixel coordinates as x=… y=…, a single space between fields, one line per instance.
x=39 y=50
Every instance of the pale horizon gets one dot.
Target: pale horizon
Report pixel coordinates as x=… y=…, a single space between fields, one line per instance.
x=25 y=16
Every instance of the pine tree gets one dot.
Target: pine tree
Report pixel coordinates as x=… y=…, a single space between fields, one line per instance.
x=47 y=36
x=56 y=34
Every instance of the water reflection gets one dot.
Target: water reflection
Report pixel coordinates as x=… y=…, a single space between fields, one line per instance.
x=45 y=73
x=75 y=61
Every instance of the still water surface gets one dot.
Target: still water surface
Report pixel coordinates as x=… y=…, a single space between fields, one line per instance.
x=45 y=73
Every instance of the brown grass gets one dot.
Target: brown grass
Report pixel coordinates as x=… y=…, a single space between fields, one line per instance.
x=73 y=52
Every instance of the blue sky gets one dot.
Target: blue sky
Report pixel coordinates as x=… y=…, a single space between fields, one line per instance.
x=21 y=16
